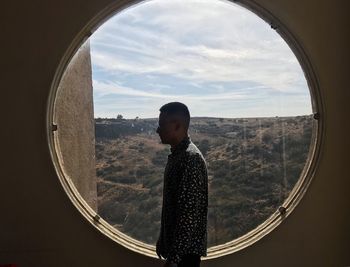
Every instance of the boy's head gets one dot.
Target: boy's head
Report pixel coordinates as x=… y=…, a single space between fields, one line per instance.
x=174 y=121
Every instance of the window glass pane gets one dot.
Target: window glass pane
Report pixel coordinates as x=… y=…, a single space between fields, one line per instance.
x=251 y=113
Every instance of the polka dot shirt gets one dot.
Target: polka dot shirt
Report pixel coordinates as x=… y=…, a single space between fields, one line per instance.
x=185 y=203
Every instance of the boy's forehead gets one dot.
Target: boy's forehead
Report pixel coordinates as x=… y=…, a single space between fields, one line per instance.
x=164 y=117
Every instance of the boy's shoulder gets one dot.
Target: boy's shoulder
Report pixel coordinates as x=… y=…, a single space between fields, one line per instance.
x=193 y=152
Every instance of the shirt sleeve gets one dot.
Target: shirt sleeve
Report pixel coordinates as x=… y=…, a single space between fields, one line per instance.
x=190 y=191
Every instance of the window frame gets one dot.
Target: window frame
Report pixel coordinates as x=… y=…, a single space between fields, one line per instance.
x=260 y=231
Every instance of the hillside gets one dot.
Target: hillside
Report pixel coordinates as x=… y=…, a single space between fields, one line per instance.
x=253 y=164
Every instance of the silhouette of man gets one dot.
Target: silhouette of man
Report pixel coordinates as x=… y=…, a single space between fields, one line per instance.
x=183 y=235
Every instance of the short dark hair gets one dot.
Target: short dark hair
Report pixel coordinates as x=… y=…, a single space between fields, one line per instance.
x=177 y=108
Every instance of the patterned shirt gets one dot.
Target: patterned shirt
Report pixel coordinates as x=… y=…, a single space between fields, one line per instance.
x=185 y=203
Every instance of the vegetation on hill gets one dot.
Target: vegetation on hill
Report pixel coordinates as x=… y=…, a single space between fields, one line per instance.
x=253 y=165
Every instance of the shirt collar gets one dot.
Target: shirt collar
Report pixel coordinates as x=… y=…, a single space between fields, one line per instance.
x=182 y=145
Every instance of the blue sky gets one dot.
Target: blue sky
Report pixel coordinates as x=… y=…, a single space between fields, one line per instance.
x=215 y=56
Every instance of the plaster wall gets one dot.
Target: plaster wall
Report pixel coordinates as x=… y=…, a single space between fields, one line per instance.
x=40 y=226
x=74 y=117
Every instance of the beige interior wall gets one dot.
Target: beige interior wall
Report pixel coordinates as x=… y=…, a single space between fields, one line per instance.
x=39 y=224
x=74 y=117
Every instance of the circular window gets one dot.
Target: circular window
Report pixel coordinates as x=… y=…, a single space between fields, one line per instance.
x=253 y=115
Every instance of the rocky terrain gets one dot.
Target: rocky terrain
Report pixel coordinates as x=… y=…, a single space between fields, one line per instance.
x=253 y=165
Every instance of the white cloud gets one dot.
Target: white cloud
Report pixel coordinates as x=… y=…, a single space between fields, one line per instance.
x=197 y=41
x=102 y=89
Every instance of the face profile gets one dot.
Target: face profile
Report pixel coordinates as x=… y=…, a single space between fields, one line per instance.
x=173 y=123
x=166 y=128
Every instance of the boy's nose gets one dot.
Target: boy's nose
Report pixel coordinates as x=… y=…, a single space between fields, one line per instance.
x=157 y=131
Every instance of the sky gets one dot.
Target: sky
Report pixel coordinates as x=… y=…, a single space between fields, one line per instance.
x=217 y=57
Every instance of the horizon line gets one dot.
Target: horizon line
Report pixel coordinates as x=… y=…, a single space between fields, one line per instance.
x=194 y=117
